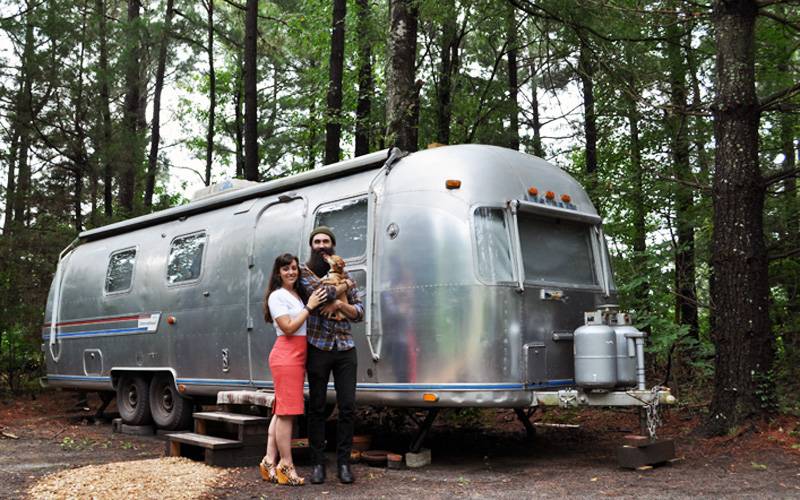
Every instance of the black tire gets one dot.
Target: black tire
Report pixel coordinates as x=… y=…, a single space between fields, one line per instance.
x=171 y=411
x=132 y=399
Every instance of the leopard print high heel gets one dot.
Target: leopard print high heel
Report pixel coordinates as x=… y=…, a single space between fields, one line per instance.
x=288 y=476
x=268 y=471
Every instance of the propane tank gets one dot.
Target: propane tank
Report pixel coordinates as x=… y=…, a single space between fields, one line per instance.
x=595 y=357
x=626 y=354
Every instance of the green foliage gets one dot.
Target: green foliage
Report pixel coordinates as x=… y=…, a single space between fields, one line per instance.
x=70 y=444
x=20 y=360
x=765 y=384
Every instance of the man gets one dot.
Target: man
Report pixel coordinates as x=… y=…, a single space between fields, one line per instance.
x=330 y=350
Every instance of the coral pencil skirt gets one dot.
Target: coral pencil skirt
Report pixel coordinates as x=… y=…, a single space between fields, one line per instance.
x=287 y=362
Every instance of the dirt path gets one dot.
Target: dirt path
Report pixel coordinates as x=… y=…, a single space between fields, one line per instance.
x=489 y=457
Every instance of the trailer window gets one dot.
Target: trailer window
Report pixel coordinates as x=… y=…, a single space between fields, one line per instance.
x=493 y=247
x=186 y=258
x=119 y=275
x=556 y=250
x=348 y=221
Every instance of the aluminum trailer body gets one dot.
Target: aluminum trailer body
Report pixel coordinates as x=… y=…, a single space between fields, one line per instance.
x=476 y=265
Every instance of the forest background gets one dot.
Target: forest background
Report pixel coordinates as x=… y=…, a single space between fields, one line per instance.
x=686 y=138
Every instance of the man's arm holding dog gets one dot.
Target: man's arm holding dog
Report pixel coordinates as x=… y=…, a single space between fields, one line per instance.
x=353 y=308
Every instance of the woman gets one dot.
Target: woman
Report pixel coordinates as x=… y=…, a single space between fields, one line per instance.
x=283 y=305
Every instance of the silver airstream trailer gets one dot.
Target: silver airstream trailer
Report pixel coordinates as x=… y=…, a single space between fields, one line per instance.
x=484 y=271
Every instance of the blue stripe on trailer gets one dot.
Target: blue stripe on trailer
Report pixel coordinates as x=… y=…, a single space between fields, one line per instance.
x=90 y=333
x=367 y=386
x=51 y=376
x=211 y=381
x=391 y=387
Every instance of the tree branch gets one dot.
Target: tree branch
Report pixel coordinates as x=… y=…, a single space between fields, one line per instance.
x=779 y=176
x=784 y=255
x=540 y=12
x=696 y=185
x=779 y=96
x=779 y=19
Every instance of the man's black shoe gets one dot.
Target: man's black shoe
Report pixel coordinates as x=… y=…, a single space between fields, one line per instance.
x=345 y=474
x=318 y=474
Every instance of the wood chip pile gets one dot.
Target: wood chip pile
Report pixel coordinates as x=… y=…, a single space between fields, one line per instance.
x=158 y=478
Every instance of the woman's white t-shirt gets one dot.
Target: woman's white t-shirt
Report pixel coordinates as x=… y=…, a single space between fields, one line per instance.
x=282 y=302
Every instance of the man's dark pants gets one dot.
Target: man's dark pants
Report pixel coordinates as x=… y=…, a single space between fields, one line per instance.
x=319 y=365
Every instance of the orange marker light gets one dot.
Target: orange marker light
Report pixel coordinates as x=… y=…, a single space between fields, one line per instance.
x=452 y=184
x=550 y=195
x=533 y=191
x=171 y=320
x=565 y=198
x=181 y=388
x=430 y=398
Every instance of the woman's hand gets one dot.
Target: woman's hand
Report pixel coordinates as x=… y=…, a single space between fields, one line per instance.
x=317 y=298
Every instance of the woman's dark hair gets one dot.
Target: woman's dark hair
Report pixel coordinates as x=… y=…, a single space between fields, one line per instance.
x=275 y=281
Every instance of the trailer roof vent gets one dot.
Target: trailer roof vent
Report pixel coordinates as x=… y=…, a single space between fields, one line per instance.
x=225 y=186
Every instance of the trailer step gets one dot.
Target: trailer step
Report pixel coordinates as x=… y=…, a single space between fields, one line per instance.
x=203 y=441
x=214 y=450
x=233 y=418
x=255 y=398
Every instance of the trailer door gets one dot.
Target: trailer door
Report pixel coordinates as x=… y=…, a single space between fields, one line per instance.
x=278 y=230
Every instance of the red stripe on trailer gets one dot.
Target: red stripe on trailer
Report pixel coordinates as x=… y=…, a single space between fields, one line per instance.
x=94 y=321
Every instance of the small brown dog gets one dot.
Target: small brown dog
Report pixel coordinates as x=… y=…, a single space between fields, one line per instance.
x=335 y=277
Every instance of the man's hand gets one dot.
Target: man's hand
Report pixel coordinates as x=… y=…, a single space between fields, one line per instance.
x=330 y=309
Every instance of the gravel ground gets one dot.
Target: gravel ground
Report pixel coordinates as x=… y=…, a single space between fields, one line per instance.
x=487 y=456
x=173 y=478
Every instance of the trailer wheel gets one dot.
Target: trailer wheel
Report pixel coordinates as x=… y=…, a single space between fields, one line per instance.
x=170 y=409
x=132 y=400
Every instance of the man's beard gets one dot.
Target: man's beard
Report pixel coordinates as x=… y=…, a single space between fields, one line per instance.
x=317 y=261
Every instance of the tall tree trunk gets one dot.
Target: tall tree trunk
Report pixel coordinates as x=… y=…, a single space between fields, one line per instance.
x=333 y=123
x=365 y=90
x=639 y=211
x=105 y=109
x=586 y=74
x=130 y=116
x=24 y=116
x=685 y=284
x=80 y=155
x=238 y=99
x=11 y=185
x=536 y=123
x=155 y=134
x=250 y=95
x=23 y=180
x=78 y=188
x=744 y=345
x=444 y=88
x=401 y=90
x=699 y=121
x=212 y=92
x=93 y=188
x=513 y=85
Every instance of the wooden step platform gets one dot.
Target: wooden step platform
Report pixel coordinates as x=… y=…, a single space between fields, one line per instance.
x=203 y=441
x=234 y=418
x=226 y=438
